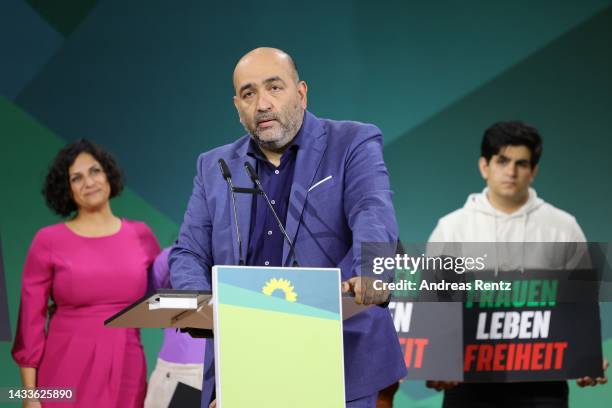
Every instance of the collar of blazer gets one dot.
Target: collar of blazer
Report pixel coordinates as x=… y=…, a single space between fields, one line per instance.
x=313 y=144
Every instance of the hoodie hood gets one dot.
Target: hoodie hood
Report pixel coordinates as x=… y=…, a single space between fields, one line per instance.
x=480 y=202
x=506 y=227
x=479 y=222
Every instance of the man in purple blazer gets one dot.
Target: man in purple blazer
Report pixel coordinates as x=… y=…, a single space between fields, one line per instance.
x=328 y=182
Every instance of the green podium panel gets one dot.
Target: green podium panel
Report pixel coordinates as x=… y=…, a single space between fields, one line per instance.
x=278 y=337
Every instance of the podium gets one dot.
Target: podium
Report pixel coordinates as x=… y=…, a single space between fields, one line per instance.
x=167 y=308
x=277 y=332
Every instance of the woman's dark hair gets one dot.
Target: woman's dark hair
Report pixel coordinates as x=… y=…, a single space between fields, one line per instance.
x=57 y=191
x=514 y=133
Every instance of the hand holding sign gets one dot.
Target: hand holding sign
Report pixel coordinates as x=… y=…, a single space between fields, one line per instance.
x=441 y=385
x=585 y=381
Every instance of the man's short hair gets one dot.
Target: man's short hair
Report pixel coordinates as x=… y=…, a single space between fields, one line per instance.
x=511 y=133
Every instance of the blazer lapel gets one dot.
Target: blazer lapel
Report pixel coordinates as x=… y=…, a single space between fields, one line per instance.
x=307 y=162
x=243 y=201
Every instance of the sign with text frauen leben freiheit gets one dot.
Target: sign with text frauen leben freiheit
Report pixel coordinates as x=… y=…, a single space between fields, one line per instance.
x=533 y=328
x=278 y=337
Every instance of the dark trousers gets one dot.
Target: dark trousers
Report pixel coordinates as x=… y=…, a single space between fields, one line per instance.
x=551 y=394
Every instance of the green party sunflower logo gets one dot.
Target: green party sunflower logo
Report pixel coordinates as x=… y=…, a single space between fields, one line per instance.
x=280 y=284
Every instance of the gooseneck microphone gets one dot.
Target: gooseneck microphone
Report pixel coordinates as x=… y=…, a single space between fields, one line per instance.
x=253 y=175
x=227 y=175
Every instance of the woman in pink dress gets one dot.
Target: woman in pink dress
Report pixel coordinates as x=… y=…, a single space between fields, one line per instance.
x=91 y=266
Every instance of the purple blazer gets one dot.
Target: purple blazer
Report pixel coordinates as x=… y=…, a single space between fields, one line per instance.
x=328 y=218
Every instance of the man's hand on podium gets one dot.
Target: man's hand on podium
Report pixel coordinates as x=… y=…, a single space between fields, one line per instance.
x=364 y=290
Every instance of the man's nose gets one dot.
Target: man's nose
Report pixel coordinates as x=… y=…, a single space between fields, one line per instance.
x=263 y=103
x=512 y=169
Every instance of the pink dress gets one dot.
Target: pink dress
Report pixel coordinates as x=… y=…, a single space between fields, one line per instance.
x=90 y=279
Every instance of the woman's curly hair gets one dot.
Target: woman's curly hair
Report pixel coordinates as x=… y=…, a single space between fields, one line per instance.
x=56 y=189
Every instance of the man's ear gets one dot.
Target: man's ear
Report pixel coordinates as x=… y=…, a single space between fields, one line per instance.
x=302 y=89
x=483 y=166
x=236 y=102
x=534 y=173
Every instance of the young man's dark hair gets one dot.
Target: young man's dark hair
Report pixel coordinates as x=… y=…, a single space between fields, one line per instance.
x=512 y=133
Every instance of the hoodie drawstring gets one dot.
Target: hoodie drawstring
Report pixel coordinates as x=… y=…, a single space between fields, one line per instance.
x=523 y=242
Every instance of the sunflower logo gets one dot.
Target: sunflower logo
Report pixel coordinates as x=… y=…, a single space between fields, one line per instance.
x=280 y=284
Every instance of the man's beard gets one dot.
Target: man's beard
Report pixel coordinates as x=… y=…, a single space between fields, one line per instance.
x=290 y=121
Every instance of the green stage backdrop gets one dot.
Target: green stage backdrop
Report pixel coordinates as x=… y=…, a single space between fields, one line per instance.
x=151 y=82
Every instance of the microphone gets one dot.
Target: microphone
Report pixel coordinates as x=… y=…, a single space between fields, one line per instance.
x=225 y=171
x=253 y=175
x=227 y=175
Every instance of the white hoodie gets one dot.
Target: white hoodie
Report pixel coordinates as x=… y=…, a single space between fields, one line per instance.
x=536 y=221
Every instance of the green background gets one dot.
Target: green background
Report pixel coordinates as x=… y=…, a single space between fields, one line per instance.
x=151 y=82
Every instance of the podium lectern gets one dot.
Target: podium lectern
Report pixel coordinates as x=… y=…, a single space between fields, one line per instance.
x=277 y=333
x=167 y=308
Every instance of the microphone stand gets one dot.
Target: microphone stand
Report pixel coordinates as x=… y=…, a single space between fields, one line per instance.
x=259 y=188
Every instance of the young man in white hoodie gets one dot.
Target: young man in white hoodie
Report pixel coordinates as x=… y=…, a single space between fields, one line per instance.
x=508 y=210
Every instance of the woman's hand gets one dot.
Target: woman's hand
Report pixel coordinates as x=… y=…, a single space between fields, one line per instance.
x=28 y=378
x=31 y=403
